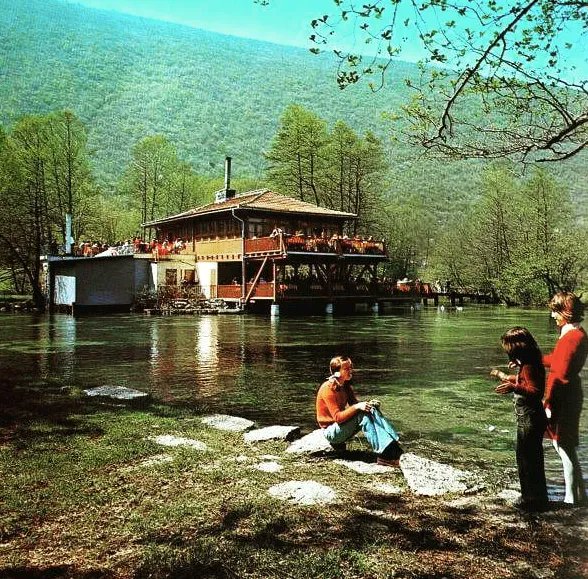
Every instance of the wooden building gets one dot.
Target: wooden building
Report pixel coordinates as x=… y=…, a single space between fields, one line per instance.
x=262 y=248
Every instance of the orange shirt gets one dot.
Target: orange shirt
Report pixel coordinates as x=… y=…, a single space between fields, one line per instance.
x=334 y=403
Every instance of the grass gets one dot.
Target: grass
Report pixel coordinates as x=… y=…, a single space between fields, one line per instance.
x=78 y=500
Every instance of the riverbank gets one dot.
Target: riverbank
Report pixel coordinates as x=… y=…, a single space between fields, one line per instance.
x=88 y=492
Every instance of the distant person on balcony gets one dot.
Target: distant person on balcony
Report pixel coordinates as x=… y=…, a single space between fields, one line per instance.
x=341 y=415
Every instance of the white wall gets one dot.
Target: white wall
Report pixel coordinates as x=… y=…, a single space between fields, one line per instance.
x=208 y=275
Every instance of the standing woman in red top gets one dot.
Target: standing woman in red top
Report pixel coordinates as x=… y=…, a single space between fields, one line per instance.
x=527 y=386
x=563 y=394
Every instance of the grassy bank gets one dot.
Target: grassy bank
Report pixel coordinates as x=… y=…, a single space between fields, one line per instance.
x=80 y=498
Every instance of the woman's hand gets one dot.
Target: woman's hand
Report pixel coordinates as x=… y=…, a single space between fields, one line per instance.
x=504 y=388
x=499 y=374
x=363 y=406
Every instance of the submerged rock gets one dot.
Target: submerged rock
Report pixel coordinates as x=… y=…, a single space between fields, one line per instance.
x=427 y=477
x=118 y=392
x=305 y=492
x=273 y=433
x=313 y=443
x=226 y=422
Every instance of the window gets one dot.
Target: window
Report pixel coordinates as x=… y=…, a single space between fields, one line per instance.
x=171 y=277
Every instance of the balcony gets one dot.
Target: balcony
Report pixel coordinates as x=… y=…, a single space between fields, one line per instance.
x=284 y=245
x=219 y=250
x=233 y=292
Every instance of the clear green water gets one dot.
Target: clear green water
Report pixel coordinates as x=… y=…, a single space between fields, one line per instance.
x=429 y=367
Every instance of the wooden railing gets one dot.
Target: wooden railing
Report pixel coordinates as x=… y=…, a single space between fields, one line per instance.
x=264 y=244
x=232 y=292
x=228 y=291
x=219 y=249
x=262 y=290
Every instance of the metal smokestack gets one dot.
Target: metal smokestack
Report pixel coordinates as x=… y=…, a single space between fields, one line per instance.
x=226 y=192
x=227 y=173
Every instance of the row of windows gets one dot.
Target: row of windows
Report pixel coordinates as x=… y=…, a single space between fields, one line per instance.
x=255 y=228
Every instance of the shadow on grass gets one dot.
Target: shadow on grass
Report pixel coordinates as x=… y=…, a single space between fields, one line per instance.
x=409 y=536
x=56 y=572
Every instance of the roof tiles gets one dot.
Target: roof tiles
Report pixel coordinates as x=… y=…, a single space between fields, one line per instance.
x=261 y=200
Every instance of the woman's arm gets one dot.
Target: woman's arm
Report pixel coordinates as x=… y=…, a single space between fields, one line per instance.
x=531 y=381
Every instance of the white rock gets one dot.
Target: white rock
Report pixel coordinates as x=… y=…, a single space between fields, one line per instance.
x=427 y=477
x=226 y=422
x=272 y=433
x=509 y=495
x=313 y=443
x=118 y=392
x=171 y=440
x=272 y=466
x=385 y=488
x=303 y=492
x=364 y=467
x=156 y=460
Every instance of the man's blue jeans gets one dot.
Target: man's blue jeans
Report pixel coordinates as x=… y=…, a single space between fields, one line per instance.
x=376 y=427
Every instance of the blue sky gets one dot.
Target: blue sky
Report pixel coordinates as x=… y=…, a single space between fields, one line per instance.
x=288 y=22
x=282 y=21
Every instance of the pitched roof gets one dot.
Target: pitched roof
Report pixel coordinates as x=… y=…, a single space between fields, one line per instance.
x=258 y=200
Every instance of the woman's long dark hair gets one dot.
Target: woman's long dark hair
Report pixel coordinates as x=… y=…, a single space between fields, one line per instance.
x=519 y=344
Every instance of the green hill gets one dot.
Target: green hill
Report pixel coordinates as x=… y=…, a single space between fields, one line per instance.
x=211 y=95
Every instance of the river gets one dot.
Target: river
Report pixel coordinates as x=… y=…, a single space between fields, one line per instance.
x=429 y=367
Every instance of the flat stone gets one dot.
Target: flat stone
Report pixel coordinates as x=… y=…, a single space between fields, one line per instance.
x=313 y=443
x=364 y=467
x=270 y=466
x=226 y=422
x=272 y=433
x=171 y=440
x=156 y=460
x=385 y=488
x=509 y=495
x=305 y=492
x=427 y=477
x=118 y=392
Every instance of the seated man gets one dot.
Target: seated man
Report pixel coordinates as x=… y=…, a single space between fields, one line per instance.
x=341 y=415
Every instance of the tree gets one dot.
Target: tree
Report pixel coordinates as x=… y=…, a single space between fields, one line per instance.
x=409 y=230
x=336 y=169
x=70 y=182
x=44 y=174
x=157 y=181
x=511 y=83
x=519 y=241
x=296 y=153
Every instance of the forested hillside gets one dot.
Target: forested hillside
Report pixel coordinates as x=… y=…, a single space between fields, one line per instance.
x=209 y=94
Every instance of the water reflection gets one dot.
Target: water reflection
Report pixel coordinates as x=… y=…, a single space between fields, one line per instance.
x=429 y=367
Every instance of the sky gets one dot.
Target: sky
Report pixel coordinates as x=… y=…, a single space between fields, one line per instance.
x=282 y=21
x=288 y=22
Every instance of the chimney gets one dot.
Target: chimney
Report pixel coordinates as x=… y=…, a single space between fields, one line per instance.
x=226 y=193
